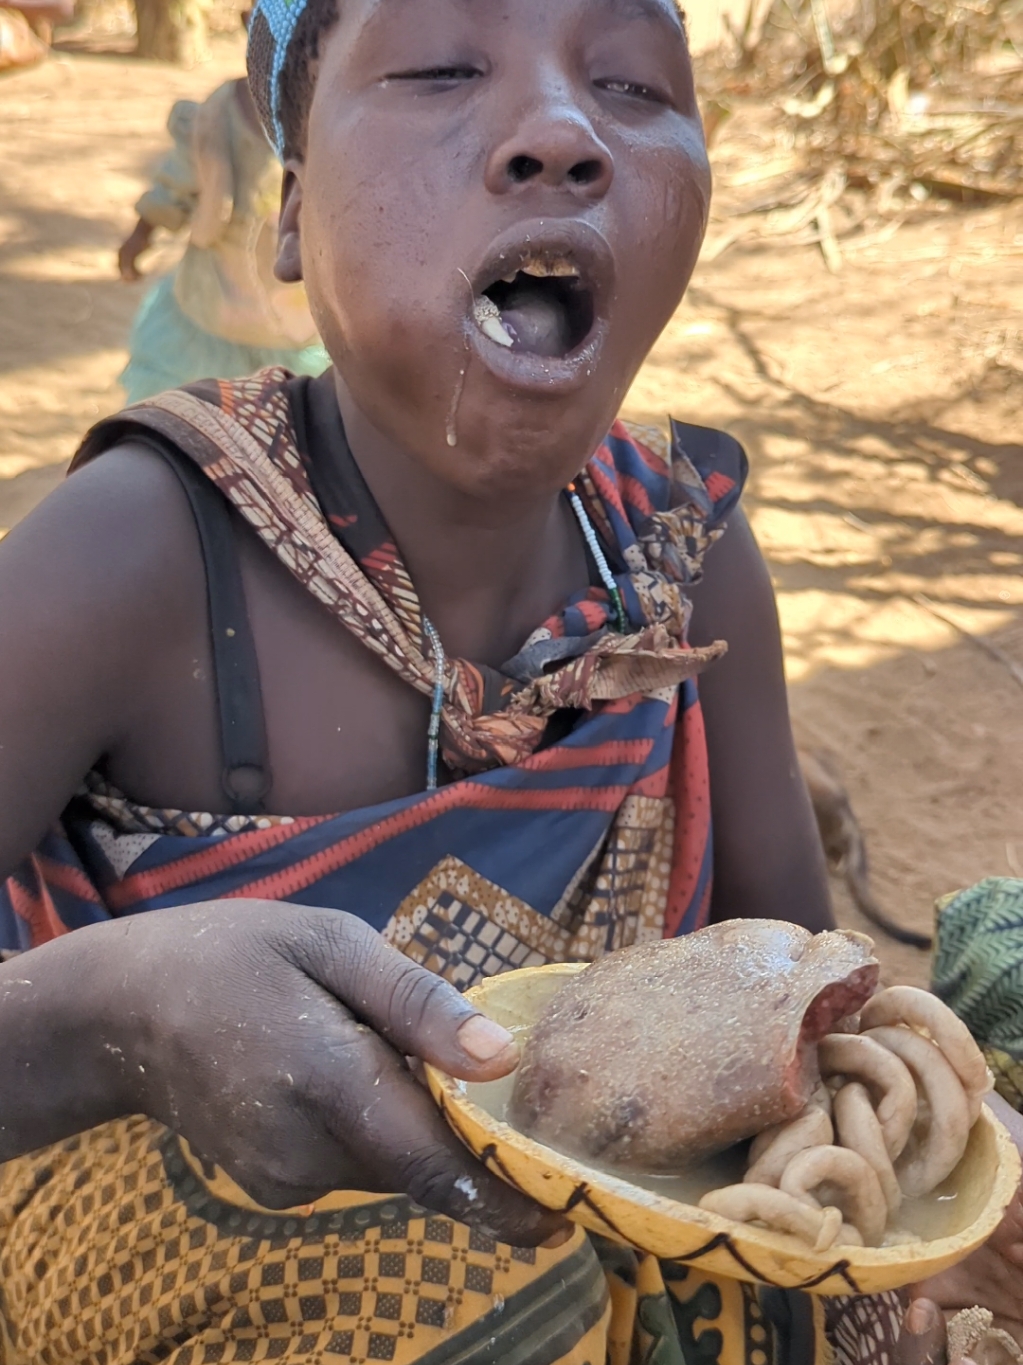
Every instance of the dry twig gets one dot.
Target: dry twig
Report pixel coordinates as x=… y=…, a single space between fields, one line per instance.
x=983 y=642
x=906 y=97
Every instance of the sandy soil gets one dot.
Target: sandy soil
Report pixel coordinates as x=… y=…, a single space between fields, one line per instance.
x=881 y=407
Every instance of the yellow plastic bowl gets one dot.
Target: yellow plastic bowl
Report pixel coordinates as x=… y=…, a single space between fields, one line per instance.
x=983 y=1184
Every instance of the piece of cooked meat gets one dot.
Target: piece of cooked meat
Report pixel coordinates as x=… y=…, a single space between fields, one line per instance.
x=662 y=1054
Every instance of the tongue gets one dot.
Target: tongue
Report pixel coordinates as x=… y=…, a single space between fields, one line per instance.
x=537 y=322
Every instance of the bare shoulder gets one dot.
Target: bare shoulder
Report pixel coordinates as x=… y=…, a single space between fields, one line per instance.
x=117 y=535
x=735 y=590
x=97 y=586
x=99 y=581
x=735 y=602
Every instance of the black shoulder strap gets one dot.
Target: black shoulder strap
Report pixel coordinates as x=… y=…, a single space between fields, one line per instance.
x=245 y=771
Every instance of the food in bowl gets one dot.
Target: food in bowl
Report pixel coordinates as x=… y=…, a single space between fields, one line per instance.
x=661 y=1055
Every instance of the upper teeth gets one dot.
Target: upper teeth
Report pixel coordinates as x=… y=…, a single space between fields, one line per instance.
x=544 y=267
x=485 y=310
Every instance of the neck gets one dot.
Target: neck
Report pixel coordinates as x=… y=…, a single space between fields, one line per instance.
x=487 y=572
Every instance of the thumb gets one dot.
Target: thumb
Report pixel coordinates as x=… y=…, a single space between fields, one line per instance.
x=922 y=1341
x=419 y=1013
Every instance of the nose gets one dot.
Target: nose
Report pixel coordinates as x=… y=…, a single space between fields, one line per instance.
x=554 y=145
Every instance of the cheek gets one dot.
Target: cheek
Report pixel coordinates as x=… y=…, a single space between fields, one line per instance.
x=668 y=198
x=374 y=251
x=375 y=233
x=678 y=196
x=687 y=199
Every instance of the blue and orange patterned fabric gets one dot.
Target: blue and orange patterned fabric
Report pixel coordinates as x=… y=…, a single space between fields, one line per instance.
x=536 y=850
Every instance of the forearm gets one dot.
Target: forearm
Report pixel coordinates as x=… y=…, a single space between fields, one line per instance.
x=768 y=860
x=63 y=1063
x=140 y=236
x=132 y=248
x=778 y=870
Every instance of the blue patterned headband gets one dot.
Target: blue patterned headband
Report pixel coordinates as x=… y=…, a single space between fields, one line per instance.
x=271 y=29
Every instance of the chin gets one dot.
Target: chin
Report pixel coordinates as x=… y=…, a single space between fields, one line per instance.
x=503 y=384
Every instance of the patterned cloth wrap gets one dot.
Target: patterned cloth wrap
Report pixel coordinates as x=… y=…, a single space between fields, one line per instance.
x=978 y=972
x=119 y=1246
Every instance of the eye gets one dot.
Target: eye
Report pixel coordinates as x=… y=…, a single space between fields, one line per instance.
x=437 y=75
x=633 y=89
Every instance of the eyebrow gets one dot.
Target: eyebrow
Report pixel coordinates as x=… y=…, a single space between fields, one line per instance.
x=653 y=11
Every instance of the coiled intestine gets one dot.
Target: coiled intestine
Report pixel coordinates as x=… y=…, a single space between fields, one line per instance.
x=905 y=1091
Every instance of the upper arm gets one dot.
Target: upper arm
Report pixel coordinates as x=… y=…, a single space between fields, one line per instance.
x=91 y=584
x=768 y=861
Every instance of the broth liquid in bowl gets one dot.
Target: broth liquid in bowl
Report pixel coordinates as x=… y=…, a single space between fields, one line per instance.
x=687 y=1187
x=933 y=1216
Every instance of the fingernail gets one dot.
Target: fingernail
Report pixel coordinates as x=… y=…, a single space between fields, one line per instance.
x=559 y=1238
x=482 y=1039
x=921 y=1317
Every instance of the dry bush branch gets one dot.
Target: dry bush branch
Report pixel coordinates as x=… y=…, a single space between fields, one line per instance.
x=902 y=99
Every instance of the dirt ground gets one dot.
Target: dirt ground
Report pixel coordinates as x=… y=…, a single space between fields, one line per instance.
x=881 y=407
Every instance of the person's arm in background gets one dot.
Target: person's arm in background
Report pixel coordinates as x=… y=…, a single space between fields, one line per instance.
x=137 y=241
x=170 y=200
x=768 y=860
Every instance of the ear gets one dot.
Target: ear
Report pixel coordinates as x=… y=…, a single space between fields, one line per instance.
x=288 y=267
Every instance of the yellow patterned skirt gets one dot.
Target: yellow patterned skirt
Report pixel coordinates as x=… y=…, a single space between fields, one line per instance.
x=116 y=1248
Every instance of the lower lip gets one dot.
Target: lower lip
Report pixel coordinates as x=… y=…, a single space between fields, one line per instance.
x=539 y=374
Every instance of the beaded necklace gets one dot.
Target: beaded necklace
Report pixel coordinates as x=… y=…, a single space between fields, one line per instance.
x=621 y=623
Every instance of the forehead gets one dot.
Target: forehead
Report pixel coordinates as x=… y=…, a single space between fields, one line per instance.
x=667 y=13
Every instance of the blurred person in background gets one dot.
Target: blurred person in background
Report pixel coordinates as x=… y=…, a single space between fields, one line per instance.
x=220 y=312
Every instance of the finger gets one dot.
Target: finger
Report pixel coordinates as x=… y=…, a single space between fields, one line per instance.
x=985 y=1277
x=418 y=1012
x=392 y=1129
x=922 y=1341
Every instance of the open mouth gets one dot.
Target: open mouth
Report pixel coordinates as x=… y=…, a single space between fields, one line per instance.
x=544 y=307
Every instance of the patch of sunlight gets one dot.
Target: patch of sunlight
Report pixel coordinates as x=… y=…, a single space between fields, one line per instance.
x=839 y=630
x=782 y=449
x=973 y=588
x=912 y=495
x=13 y=465
x=80 y=264
x=667 y=390
x=821 y=538
x=27 y=261
x=44 y=415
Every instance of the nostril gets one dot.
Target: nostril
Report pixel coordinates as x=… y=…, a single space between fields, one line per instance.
x=522 y=168
x=585 y=172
